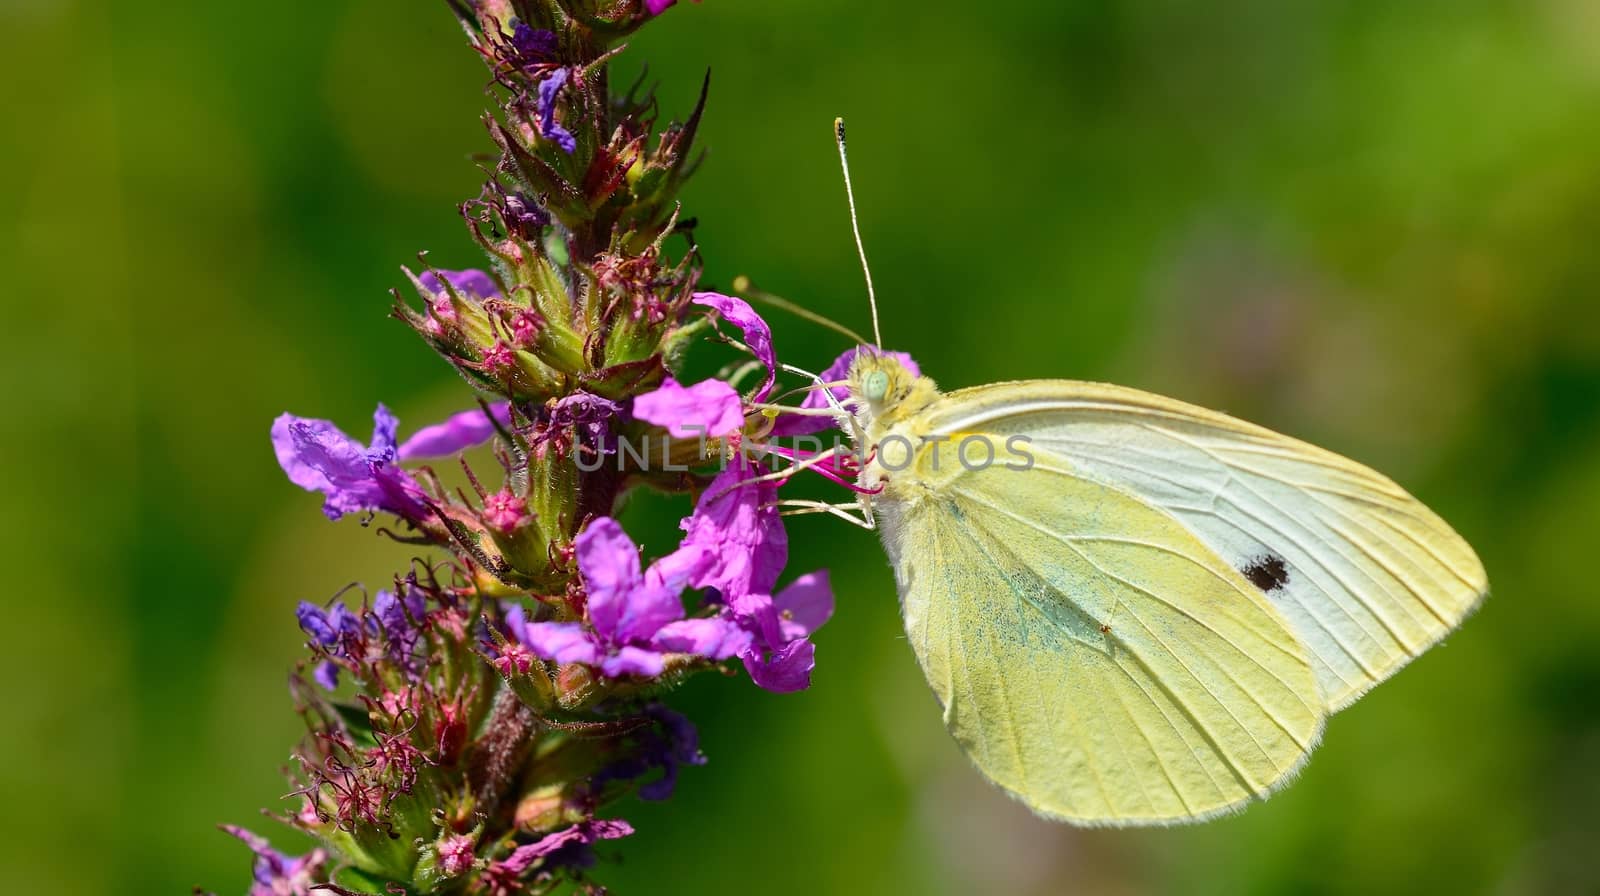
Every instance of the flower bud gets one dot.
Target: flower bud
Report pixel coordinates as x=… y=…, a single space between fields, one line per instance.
x=546 y=808
x=576 y=686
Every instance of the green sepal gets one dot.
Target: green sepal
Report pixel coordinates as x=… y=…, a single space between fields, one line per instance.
x=627 y=379
x=358 y=721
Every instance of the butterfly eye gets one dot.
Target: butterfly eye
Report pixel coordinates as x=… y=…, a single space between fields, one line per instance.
x=876 y=385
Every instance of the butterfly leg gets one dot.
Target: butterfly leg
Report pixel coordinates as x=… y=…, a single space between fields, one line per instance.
x=830 y=398
x=842 y=511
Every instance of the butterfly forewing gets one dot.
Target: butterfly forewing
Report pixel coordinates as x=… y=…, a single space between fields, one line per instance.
x=1092 y=655
x=1367 y=576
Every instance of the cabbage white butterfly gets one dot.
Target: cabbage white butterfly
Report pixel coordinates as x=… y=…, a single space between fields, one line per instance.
x=1150 y=621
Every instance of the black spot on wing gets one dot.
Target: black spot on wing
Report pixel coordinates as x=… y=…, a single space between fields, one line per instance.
x=1267 y=572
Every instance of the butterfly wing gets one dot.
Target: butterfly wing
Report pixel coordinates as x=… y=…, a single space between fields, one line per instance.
x=1092 y=656
x=1367 y=576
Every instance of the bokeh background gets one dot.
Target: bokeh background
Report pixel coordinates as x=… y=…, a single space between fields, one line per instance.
x=1369 y=224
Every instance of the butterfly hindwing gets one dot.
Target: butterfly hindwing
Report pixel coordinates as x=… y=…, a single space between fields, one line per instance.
x=1092 y=656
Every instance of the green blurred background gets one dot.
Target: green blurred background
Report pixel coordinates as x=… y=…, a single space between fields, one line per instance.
x=1369 y=224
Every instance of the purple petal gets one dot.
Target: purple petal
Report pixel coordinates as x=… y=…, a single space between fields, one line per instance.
x=608 y=829
x=388 y=610
x=589 y=413
x=523 y=857
x=680 y=745
x=315 y=623
x=277 y=874
x=458 y=433
x=326 y=674
x=741 y=528
x=516 y=622
x=257 y=843
x=644 y=612
x=561 y=137
x=524 y=215
x=308 y=448
x=471 y=281
x=624 y=606
x=685 y=740
x=657 y=7
x=318 y=456
x=609 y=562
x=662 y=787
x=590 y=831
x=631 y=660
x=561 y=642
x=708 y=409
x=756 y=613
x=415 y=603
x=805 y=605
x=398 y=617
x=757 y=335
x=785 y=670
x=796 y=425
x=533 y=45
x=549 y=89
x=714 y=639
x=344 y=622
x=385 y=426
x=676 y=570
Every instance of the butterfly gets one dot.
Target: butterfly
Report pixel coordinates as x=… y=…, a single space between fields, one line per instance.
x=1146 y=612
x=1133 y=610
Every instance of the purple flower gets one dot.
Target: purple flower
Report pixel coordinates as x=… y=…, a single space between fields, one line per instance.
x=564 y=847
x=708 y=409
x=757 y=335
x=635 y=618
x=471 y=282
x=784 y=670
x=505 y=511
x=797 y=425
x=532 y=45
x=456 y=854
x=277 y=874
x=400 y=621
x=329 y=627
x=680 y=745
x=590 y=414
x=399 y=614
x=740 y=531
x=549 y=89
x=318 y=456
x=316 y=623
x=738 y=526
x=326 y=673
x=334 y=630
x=793 y=613
x=666 y=745
x=338 y=633
x=523 y=215
x=780 y=655
x=458 y=433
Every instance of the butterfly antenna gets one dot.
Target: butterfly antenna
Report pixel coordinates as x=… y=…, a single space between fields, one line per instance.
x=850 y=196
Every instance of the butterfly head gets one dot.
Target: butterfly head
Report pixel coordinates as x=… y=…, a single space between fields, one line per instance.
x=883 y=389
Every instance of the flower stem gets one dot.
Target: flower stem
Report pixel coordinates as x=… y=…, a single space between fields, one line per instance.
x=499 y=753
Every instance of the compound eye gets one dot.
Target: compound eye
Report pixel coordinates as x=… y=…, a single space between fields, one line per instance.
x=876 y=386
